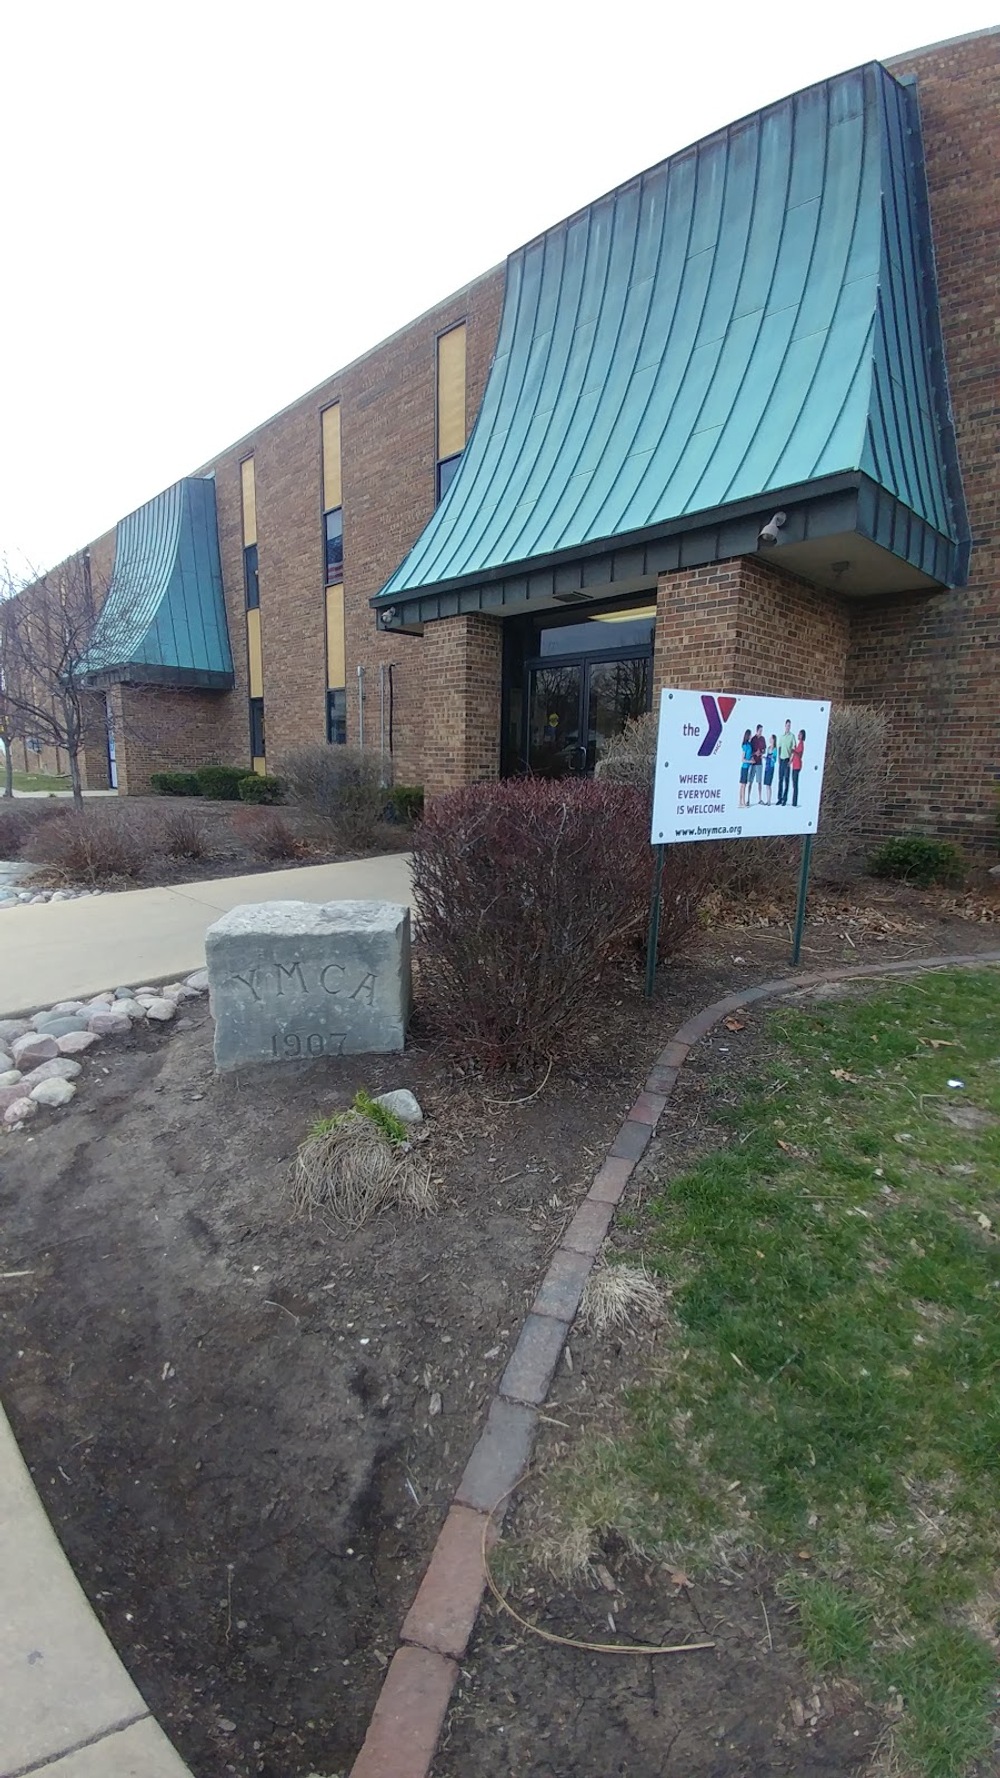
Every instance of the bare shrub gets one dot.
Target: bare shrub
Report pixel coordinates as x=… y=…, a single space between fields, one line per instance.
x=268 y=835
x=91 y=845
x=181 y=835
x=629 y=758
x=343 y=786
x=17 y=823
x=528 y=892
x=852 y=809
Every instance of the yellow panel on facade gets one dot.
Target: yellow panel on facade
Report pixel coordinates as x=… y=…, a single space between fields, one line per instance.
x=260 y=766
x=451 y=392
x=332 y=491
x=254 y=655
x=249 y=502
x=336 y=649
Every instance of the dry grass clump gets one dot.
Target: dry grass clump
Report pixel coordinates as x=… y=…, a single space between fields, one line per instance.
x=349 y=1167
x=614 y=1296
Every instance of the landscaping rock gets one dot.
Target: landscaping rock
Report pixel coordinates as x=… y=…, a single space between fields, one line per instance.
x=75 y=1042
x=402 y=1103
x=53 y=1092
x=19 y=1112
x=65 y=1007
x=10 y=1077
x=12 y=1028
x=291 y=980
x=178 y=991
x=160 y=1009
x=109 y=1024
x=134 y=1009
x=5 y=1061
x=10 y=1095
x=51 y=1026
x=198 y=981
x=60 y=1068
x=29 y=1051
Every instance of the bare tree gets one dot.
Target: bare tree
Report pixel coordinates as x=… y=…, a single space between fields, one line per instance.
x=47 y=625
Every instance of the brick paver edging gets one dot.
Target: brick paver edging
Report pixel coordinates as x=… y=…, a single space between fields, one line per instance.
x=408 y=1717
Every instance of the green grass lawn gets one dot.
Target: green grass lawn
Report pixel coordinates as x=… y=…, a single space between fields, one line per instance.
x=47 y=781
x=830 y=1392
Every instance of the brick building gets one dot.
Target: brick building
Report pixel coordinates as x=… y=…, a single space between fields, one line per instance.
x=481 y=546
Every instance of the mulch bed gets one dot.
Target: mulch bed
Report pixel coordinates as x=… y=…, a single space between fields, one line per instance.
x=227 y=1411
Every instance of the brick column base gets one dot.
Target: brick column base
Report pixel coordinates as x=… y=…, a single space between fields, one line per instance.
x=461 y=669
x=743 y=625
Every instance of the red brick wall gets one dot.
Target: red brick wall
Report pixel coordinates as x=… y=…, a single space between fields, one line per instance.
x=387 y=404
x=160 y=730
x=743 y=625
x=935 y=662
x=461 y=673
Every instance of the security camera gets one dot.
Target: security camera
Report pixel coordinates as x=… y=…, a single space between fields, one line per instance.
x=388 y=615
x=768 y=535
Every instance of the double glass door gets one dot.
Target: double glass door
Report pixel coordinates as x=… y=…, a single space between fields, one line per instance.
x=575 y=708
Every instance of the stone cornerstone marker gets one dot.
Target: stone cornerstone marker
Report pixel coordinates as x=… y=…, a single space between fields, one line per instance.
x=291 y=980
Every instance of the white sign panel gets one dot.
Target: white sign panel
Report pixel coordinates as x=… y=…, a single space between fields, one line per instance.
x=737 y=767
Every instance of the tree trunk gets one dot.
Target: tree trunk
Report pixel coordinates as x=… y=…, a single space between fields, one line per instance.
x=74 y=777
x=8 y=770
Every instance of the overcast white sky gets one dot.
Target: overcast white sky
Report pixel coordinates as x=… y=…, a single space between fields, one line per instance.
x=210 y=205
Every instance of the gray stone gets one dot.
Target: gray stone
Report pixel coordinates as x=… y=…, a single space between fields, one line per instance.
x=5 y=1061
x=10 y=1095
x=63 y=895
x=134 y=1009
x=75 y=1042
x=19 y=1112
x=52 y=1026
x=109 y=1024
x=198 y=981
x=67 y=1006
x=10 y=1077
x=29 y=1051
x=995 y=870
x=402 y=1103
x=293 y=980
x=160 y=1009
x=60 y=1068
x=11 y=1028
x=53 y=1092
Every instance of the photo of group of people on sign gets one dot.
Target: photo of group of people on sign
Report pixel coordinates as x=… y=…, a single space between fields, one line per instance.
x=762 y=756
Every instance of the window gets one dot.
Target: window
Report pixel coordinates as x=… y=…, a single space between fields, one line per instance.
x=450 y=405
x=250 y=580
x=336 y=717
x=446 y=474
x=257 y=748
x=333 y=527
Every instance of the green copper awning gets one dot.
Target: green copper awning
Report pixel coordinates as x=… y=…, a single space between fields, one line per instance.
x=164 y=619
x=751 y=323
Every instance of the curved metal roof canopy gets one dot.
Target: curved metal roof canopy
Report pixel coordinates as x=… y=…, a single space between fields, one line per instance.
x=755 y=316
x=164 y=619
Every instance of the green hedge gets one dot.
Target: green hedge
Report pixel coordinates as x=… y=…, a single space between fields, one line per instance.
x=175 y=783
x=221 y=782
x=256 y=788
x=911 y=858
x=407 y=801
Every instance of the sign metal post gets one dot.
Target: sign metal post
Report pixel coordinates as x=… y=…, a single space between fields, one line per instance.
x=800 y=910
x=653 y=939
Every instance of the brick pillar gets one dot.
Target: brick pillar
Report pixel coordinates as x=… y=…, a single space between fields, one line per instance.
x=745 y=625
x=461 y=670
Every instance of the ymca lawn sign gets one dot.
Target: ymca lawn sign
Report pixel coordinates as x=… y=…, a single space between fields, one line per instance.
x=737 y=767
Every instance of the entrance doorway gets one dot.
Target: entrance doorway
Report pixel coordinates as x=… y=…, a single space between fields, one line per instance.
x=109 y=720
x=577 y=707
x=573 y=680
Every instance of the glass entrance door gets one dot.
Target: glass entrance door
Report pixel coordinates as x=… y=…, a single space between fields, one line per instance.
x=555 y=694
x=576 y=707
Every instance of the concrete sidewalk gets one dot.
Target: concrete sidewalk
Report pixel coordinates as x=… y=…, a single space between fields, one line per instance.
x=67 y=950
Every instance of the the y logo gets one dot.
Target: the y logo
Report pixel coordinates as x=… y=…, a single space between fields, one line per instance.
x=718 y=711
